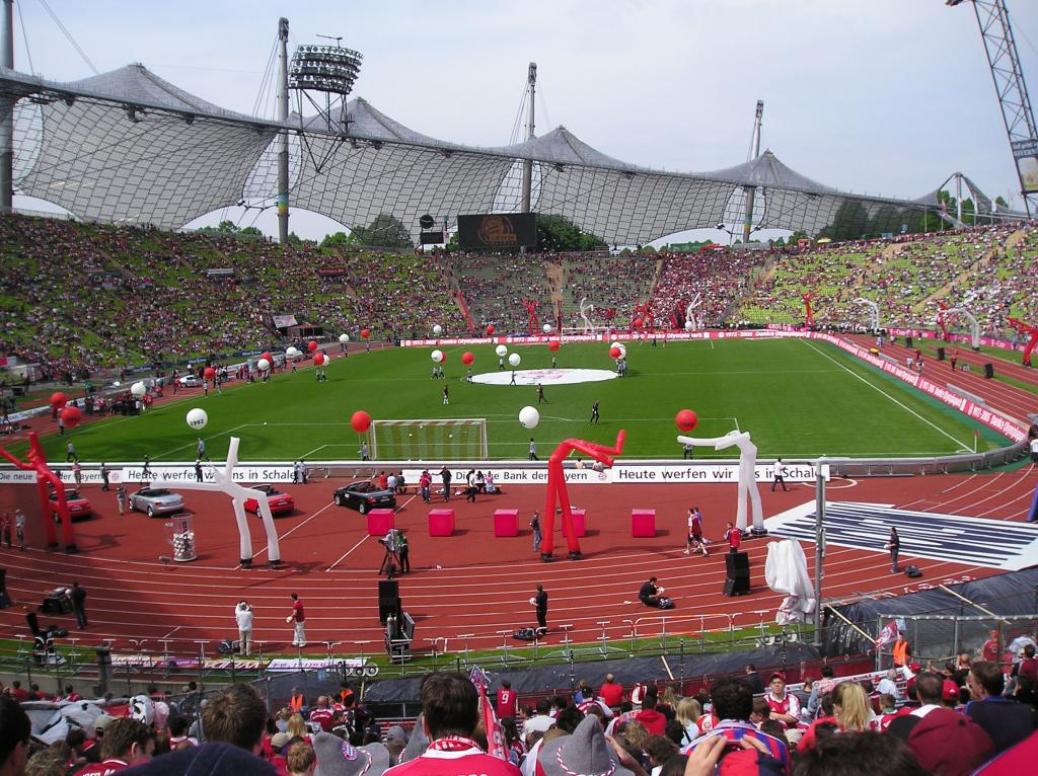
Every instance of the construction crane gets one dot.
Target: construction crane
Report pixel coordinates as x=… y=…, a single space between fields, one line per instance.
x=1004 y=61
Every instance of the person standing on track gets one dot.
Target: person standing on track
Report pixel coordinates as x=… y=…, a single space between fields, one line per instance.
x=243 y=619
x=298 y=616
x=535 y=526
x=695 y=538
x=78 y=596
x=780 y=476
x=893 y=545
x=540 y=602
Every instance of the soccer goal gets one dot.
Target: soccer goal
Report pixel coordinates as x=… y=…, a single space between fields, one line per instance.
x=456 y=439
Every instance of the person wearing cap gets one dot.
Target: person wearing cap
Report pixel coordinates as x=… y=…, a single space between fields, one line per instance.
x=337 y=757
x=784 y=705
x=126 y=742
x=396 y=741
x=585 y=751
x=945 y=742
x=1007 y=721
x=450 y=716
x=950 y=693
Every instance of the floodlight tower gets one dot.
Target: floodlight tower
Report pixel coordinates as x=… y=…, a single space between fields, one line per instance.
x=747 y=224
x=531 y=85
x=1011 y=90
x=282 y=200
x=7 y=115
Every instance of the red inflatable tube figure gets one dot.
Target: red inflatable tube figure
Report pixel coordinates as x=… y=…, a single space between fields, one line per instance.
x=37 y=462
x=532 y=322
x=559 y=496
x=1027 y=330
x=809 y=314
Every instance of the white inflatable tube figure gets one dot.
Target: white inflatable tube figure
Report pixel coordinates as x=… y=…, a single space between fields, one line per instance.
x=690 y=311
x=873 y=312
x=785 y=571
x=224 y=483
x=747 y=480
x=586 y=308
x=974 y=325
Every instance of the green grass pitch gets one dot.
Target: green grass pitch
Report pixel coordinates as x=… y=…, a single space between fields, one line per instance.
x=798 y=398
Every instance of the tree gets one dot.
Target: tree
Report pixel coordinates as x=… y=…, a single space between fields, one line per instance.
x=558 y=233
x=337 y=240
x=251 y=231
x=386 y=231
x=849 y=223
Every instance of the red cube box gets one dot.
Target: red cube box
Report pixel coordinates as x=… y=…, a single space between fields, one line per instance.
x=643 y=523
x=579 y=517
x=380 y=521
x=441 y=522
x=506 y=522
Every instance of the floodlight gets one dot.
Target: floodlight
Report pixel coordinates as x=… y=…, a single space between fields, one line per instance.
x=331 y=69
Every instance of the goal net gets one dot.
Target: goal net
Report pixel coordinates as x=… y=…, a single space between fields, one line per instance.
x=456 y=439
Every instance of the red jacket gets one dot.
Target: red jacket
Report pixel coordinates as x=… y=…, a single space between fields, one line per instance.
x=612 y=693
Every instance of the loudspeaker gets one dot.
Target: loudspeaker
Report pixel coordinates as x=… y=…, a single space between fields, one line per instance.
x=737 y=563
x=389 y=608
x=388 y=589
x=913 y=571
x=737 y=568
x=989 y=370
x=908 y=342
x=5 y=601
x=940 y=354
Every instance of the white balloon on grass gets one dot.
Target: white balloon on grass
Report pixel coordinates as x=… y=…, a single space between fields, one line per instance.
x=514 y=359
x=437 y=356
x=292 y=352
x=546 y=328
x=529 y=417
x=138 y=389
x=344 y=338
x=437 y=330
x=263 y=365
x=197 y=418
x=501 y=351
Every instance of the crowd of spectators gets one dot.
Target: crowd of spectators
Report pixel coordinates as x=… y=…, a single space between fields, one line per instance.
x=966 y=717
x=496 y=288
x=618 y=283
x=715 y=280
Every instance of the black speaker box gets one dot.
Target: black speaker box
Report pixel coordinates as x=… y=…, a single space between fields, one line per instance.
x=737 y=585
x=913 y=571
x=388 y=590
x=989 y=370
x=737 y=564
x=387 y=608
x=5 y=601
x=940 y=354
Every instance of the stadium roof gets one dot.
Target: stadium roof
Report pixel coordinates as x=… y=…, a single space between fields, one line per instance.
x=129 y=147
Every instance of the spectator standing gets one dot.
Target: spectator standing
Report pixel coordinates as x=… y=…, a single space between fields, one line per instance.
x=120 y=499
x=535 y=526
x=780 y=476
x=507 y=701
x=733 y=536
x=424 y=484
x=533 y=450
x=1007 y=721
x=611 y=692
x=6 y=528
x=403 y=551
x=104 y=476
x=541 y=604
x=752 y=678
x=298 y=617
x=78 y=596
x=19 y=527
x=450 y=715
x=445 y=477
x=243 y=619
x=893 y=545
x=77 y=473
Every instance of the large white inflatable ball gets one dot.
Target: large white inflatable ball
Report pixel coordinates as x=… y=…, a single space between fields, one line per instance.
x=437 y=356
x=501 y=351
x=529 y=417
x=546 y=328
x=138 y=389
x=437 y=330
x=514 y=359
x=197 y=418
x=263 y=365
x=344 y=338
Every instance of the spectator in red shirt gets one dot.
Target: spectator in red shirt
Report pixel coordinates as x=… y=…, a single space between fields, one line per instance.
x=19 y=693
x=611 y=692
x=298 y=617
x=733 y=536
x=1028 y=664
x=507 y=701
x=991 y=651
x=653 y=721
x=126 y=742
x=322 y=715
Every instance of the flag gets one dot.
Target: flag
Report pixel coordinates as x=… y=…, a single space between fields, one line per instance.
x=495 y=734
x=887 y=635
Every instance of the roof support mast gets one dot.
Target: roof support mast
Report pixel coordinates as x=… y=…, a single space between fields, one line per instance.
x=747 y=225
x=1004 y=61
x=7 y=115
x=531 y=85
x=282 y=201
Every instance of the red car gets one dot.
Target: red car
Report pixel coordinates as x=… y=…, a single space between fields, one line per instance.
x=280 y=503
x=78 y=507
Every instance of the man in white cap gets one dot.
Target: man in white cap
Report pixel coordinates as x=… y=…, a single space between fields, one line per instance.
x=450 y=712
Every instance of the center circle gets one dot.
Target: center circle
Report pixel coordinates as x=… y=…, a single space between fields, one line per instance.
x=545 y=376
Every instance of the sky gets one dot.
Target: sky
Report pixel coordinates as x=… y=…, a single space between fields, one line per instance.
x=884 y=97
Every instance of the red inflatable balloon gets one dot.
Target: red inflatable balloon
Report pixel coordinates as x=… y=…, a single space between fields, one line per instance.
x=490 y=329
x=58 y=399
x=311 y=345
x=637 y=323
x=208 y=373
x=614 y=352
x=554 y=345
x=319 y=359
x=361 y=421
x=266 y=355
x=467 y=358
x=686 y=420
x=365 y=333
x=71 y=416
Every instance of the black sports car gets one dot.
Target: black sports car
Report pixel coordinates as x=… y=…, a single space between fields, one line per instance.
x=364 y=496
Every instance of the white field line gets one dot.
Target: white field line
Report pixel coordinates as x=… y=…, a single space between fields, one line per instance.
x=874 y=387
x=207 y=440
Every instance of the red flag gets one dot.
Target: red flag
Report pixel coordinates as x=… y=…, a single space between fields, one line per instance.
x=495 y=734
x=887 y=635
